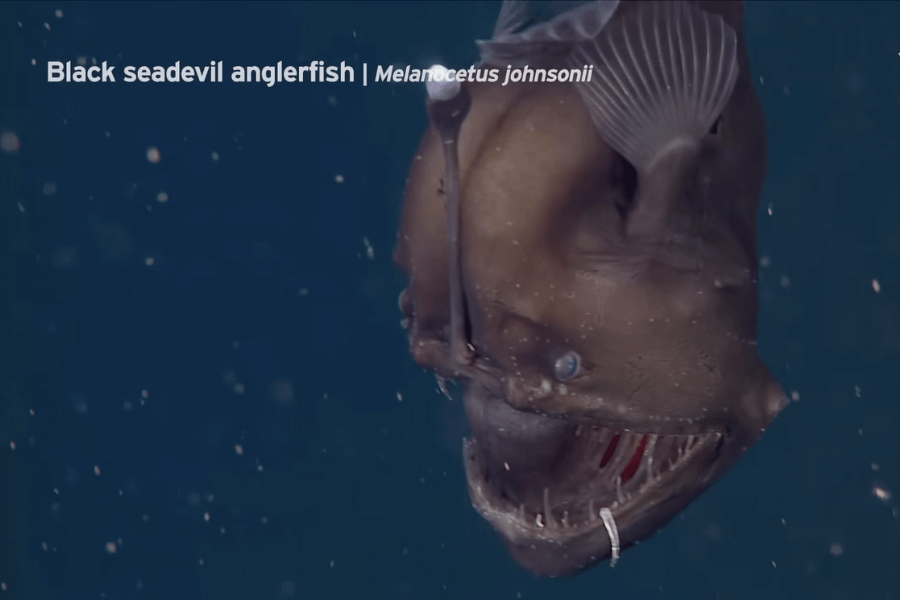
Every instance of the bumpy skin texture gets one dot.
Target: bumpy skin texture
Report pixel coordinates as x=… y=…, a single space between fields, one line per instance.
x=671 y=389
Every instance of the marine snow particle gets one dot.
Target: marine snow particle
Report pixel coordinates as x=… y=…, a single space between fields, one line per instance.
x=9 y=142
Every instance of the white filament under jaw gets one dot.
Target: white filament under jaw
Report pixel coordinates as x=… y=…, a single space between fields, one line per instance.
x=613 y=533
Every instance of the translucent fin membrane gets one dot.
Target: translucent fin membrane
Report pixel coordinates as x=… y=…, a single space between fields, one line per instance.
x=662 y=76
x=520 y=38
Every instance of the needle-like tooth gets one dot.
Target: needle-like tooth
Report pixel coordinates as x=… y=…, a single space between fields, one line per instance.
x=578 y=429
x=565 y=519
x=651 y=448
x=592 y=514
x=619 y=493
x=644 y=471
x=539 y=520
x=548 y=514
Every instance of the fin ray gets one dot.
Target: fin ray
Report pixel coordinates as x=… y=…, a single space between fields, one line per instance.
x=652 y=88
x=511 y=44
x=514 y=14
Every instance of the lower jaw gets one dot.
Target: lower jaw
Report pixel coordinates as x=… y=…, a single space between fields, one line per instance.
x=631 y=468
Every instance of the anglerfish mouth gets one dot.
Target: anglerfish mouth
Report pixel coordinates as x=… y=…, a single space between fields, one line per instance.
x=565 y=496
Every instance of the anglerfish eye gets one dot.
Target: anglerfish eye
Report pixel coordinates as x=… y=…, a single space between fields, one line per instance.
x=567 y=366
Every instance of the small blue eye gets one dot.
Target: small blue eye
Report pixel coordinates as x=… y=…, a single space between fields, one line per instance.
x=567 y=366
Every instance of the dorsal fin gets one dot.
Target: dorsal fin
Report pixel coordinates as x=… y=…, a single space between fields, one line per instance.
x=514 y=15
x=662 y=76
x=516 y=43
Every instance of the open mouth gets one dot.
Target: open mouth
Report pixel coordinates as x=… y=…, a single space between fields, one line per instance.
x=600 y=476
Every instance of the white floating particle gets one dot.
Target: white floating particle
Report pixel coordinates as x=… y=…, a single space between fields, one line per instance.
x=331 y=563
x=20 y=206
x=96 y=470
x=201 y=562
x=399 y=397
x=238 y=449
x=162 y=197
x=9 y=142
x=111 y=548
x=506 y=465
x=876 y=286
x=785 y=281
x=82 y=60
x=795 y=396
x=3 y=586
x=858 y=391
x=214 y=156
x=304 y=292
x=761 y=80
x=339 y=178
x=875 y=467
x=49 y=189
x=764 y=261
x=33 y=62
x=153 y=154
x=881 y=493
x=59 y=13
x=149 y=261
x=12 y=445
x=836 y=549
x=206 y=516
x=47 y=26
x=282 y=391
x=787 y=90
x=239 y=388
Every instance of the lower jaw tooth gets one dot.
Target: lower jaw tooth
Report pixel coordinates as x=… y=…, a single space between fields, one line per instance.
x=547 y=512
x=619 y=494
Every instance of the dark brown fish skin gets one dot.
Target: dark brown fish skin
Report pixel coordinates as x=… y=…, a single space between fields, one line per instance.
x=666 y=328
